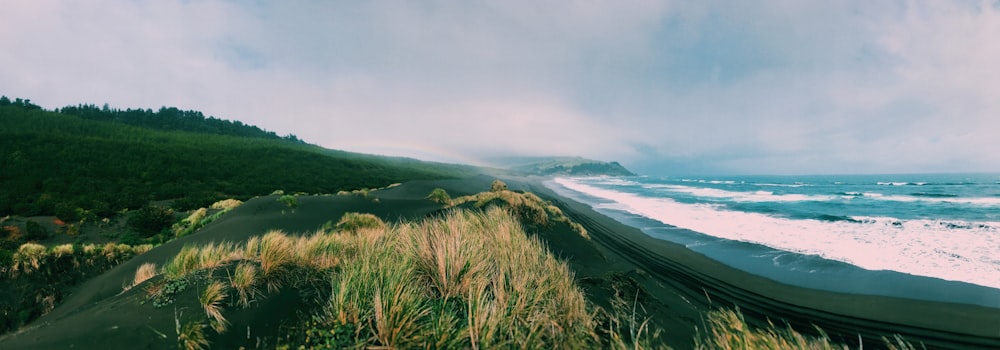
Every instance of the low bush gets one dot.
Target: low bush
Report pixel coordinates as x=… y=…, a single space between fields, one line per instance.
x=352 y=222
x=150 y=220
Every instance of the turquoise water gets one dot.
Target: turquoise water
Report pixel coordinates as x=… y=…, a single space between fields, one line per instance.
x=933 y=237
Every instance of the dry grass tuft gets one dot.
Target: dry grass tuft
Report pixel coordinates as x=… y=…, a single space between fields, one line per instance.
x=226 y=204
x=28 y=257
x=142 y=274
x=525 y=205
x=244 y=280
x=727 y=329
x=276 y=251
x=62 y=250
x=192 y=336
x=211 y=300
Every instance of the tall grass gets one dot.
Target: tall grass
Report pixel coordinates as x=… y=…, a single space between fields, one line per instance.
x=276 y=252
x=244 y=280
x=468 y=280
x=727 y=329
x=212 y=299
x=142 y=274
x=192 y=336
x=526 y=206
x=32 y=257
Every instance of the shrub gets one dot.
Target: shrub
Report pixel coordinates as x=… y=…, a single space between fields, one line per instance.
x=439 y=195
x=6 y=259
x=289 y=201
x=28 y=257
x=352 y=222
x=191 y=223
x=498 y=186
x=150 y=220
x=35 y=231
x=226 y=204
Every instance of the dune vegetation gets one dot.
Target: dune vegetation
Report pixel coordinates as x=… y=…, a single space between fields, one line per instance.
x=470 y=276
x=34 y=278
x=470 y=279
x=531 y=209
x=728 y=330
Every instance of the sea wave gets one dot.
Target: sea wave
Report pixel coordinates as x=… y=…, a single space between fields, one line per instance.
x=755 y=196
x=979 y=201
x=950 y=250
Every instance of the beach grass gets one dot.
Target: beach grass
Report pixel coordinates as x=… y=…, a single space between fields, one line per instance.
x=212 y=299
x=727 y=329
x=469 y=279
x=243 y=280
x=528 y=207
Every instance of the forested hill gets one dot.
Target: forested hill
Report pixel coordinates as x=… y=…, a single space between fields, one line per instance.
x=166 y=118
x=171 y=118
x=64 y=163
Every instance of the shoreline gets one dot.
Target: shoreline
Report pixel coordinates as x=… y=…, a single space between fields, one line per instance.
x=673 y=286
x=708 y=284
x=797 y=269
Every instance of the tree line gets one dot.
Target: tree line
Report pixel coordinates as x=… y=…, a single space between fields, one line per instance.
x=65 y=164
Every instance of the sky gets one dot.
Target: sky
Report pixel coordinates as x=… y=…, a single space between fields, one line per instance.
x=664 y=87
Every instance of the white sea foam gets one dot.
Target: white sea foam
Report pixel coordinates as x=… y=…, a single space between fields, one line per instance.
x=797 y=184
x=968 y=252
x=980 y=201
x=756 y=196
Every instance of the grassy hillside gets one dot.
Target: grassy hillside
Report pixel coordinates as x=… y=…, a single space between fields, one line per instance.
x=60 y=164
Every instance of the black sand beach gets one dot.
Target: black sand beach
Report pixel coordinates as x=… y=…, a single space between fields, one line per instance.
x=677 y=285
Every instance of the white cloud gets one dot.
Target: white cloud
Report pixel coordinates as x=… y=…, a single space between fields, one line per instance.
x=782 y=86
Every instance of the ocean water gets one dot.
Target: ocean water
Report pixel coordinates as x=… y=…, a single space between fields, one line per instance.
x=934 y=237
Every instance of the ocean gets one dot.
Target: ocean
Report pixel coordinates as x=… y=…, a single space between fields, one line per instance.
x=930 y=237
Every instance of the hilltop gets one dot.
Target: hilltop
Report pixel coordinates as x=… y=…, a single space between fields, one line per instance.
x=572 y=166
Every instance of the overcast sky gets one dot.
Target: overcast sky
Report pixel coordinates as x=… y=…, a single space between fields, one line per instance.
x=665 y=87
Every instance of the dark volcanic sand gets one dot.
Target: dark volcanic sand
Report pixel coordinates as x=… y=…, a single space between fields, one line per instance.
x=677 y=285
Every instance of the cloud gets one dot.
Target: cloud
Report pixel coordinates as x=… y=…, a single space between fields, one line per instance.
x=775 y=87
